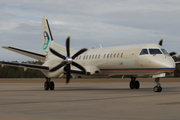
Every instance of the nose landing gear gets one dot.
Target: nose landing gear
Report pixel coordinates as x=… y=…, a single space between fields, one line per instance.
x=158 y=87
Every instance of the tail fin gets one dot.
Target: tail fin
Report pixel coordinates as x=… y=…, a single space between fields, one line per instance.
x=46 y=35
x=47 y=39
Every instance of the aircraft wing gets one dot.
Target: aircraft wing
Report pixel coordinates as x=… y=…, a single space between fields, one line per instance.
x=177 y=62
x=90 y=70
x=26 y=53
x=31 y=66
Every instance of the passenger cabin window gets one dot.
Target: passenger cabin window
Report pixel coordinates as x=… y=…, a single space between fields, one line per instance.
x=79 y=57
x=95 y=56
x=90 y=57
x=144 y=52
x=111 y=56
x=104 y=55
x=114 y=55
x=117 y=55
x=155 y=51
x=107 y=55
x=121 y=55
x=164 y=51
x=99 y=56
x=87 y=57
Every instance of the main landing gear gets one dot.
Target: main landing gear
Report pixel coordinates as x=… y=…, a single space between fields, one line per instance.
x=134 y=84
x=48 y=84
x=158 y=87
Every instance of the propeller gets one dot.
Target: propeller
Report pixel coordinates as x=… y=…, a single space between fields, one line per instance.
x=68 y=61
x=171 y=53
x=160 y=42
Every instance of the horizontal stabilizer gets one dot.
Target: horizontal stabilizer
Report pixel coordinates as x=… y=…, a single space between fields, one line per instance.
x=31 y=66
x=26 y=53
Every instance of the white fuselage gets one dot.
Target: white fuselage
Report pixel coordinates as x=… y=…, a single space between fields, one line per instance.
x=121 y=60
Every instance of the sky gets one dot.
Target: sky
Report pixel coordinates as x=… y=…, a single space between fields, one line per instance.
x=89 y=23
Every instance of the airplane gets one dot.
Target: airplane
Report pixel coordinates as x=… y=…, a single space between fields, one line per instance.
x=143 y=60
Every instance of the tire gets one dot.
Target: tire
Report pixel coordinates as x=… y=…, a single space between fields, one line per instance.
x=51 y=85
x=156 y=89
x=131 y=85
x=136 y=84
x=159 y=89
x=46 y=86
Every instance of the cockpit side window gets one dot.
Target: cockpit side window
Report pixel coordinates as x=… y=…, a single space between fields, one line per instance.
x=155 y=51
x=164 y=51
x=144 y=51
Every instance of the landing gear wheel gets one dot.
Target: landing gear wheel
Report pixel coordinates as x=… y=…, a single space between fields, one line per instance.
x=157 y=89
x=51 y=85
x=136 y=84
x=46 y=85
x=160 y=89
x=131 y=85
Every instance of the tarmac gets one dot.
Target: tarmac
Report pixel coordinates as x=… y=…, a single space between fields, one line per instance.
x=89 y=101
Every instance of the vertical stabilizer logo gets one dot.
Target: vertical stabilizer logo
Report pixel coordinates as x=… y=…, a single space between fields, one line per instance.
x=46 y=40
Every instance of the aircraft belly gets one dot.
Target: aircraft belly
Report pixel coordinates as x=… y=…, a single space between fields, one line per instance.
x=55 y=74
x=134 y=71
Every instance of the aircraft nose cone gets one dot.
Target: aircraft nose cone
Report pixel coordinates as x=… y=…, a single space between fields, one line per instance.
x=169 y=62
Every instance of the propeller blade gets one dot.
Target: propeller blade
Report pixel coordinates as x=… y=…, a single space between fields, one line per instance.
x=79 y=66
x=79 y=52
x=172 y=53
x=68 y=46
x=57 y=54
x=57 y=67
x=68 y=67
x=160 y=42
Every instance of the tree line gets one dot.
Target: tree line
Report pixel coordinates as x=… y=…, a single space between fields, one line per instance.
x=17 y=72
x=177 y=70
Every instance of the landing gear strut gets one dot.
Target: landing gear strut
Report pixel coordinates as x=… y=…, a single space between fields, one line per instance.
x=134 y=84
x=48 y=84
x=158 y=87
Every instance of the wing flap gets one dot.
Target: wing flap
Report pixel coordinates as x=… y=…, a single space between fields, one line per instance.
x=26 y=53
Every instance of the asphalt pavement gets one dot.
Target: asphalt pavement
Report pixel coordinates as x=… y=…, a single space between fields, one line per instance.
x=89 y=101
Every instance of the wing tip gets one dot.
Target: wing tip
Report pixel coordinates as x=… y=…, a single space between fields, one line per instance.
x=5 y=46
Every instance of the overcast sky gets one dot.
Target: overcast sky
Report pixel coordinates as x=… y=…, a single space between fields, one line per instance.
x=89 y=23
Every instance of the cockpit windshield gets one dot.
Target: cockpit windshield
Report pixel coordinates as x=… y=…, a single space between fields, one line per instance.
x=164 y=51
x=144 y=51
x=155 y=51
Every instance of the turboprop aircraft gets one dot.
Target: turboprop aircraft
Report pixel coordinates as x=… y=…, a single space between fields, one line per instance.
x=144 y=60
